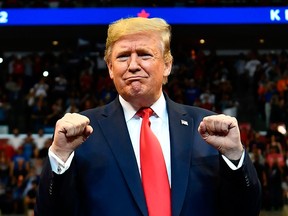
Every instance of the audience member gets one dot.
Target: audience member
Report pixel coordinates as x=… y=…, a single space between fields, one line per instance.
x=30 y=198
x=15 y=140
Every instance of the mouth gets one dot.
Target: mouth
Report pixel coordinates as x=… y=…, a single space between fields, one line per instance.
x=134 y=78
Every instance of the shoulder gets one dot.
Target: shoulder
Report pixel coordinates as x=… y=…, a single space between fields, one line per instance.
x=192 y=111
x=103 y=111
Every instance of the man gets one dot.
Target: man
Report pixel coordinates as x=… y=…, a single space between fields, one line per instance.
x=95 y=166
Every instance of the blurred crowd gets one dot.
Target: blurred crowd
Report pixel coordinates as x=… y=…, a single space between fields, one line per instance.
x=141 y=3
x=21 y=159
x=36 y=89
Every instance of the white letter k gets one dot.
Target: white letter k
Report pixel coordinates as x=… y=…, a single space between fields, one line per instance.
x=274 y=15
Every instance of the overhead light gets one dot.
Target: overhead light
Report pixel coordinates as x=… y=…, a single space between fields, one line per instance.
x=202 y=41
x=55 y=43
x=281 y=129
x=261 y=40
x=45 y=73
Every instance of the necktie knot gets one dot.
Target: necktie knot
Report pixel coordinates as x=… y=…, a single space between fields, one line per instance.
x=145 y=112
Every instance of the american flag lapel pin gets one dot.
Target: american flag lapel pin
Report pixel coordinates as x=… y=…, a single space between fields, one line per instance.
x=183 y=122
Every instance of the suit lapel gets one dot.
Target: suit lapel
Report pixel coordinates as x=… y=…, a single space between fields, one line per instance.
x=121 y=146
x=181 y=129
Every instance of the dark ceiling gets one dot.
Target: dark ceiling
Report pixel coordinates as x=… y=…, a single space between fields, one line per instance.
x=38 y=38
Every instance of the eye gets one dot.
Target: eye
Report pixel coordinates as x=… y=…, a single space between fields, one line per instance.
x=145 y=56
x=122 y=57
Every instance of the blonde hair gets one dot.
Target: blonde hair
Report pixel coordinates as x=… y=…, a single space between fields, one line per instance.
x=134 y=25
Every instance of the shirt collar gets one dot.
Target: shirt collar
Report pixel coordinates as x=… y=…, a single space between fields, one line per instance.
x=159 y=108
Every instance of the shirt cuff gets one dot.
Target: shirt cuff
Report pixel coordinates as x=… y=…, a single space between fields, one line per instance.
x=231 y=165
x=57 y=165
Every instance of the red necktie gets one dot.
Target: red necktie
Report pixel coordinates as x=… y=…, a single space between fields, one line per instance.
x=153 y=169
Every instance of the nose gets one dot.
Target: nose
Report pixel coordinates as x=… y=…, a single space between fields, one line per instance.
x=133 y=64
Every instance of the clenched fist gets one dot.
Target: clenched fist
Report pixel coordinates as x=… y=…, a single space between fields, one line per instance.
x=70 y=132
x=222 y=132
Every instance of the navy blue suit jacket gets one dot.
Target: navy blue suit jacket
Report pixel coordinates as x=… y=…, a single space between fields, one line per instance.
x=104 y=179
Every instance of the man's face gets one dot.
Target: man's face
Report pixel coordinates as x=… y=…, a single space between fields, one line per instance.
x=137 y=68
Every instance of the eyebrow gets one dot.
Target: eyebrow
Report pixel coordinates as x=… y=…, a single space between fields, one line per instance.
x=124 y=50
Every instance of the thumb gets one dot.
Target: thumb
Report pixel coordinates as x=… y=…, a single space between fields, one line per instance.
x=203 y=130
x=87 y=131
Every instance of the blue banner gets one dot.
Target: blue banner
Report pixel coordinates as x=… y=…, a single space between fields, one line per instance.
x=103 y=16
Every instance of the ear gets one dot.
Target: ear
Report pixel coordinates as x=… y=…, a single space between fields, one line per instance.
x=110 y=68
x=167 y=69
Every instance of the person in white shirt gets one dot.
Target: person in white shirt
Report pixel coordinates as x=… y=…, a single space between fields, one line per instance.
x=94 y=163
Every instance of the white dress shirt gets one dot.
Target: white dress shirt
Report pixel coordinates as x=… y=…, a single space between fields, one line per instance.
x=159 y=125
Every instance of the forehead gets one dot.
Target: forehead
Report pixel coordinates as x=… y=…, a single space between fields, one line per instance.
x=138 y=41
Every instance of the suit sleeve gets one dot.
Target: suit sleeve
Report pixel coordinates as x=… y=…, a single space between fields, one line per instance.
x=240 y=190
x=56 y=193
